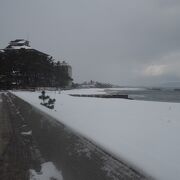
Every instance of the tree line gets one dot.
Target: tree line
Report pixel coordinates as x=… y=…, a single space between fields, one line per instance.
x=27 y=68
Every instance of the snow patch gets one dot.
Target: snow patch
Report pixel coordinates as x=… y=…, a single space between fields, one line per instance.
x=24 y=125
x=86 y=91
x=48 y=172
x=1 y=50
x=28 y=133
x=20 y=47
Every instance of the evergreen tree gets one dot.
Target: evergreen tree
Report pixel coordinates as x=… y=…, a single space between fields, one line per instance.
x=26 y=68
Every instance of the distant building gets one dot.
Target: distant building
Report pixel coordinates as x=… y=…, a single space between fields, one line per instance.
x=19 y=44
x=65 y=69
x=68 y=67
x=95 y=84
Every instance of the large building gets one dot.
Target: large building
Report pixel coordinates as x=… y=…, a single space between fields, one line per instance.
x=68 y=68
x=19 y=44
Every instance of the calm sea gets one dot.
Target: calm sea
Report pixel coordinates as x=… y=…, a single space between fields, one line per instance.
x=162 y=95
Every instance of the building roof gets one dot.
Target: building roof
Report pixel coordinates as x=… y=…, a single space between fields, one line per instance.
x=19 y=44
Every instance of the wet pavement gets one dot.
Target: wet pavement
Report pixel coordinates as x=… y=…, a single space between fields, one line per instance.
x=17 y=151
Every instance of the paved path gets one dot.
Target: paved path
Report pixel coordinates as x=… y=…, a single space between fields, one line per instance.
x=16 y=149
x=5 y=128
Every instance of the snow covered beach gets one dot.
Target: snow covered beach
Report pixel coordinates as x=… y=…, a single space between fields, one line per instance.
x=144 y=134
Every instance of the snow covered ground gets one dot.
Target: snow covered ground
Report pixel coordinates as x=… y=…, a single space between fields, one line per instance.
x=143 y=133
x=86 y=91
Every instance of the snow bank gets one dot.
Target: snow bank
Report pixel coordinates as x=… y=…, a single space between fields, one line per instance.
x=143 y=133
x=26 y=133
x=126 y=89
x=48 y=172
x=86 y=91
x=100 y=90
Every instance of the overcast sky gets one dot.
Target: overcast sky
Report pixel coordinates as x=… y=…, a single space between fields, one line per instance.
x=125 y=42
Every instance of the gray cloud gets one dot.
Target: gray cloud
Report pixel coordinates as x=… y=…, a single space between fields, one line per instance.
x=111 y=41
